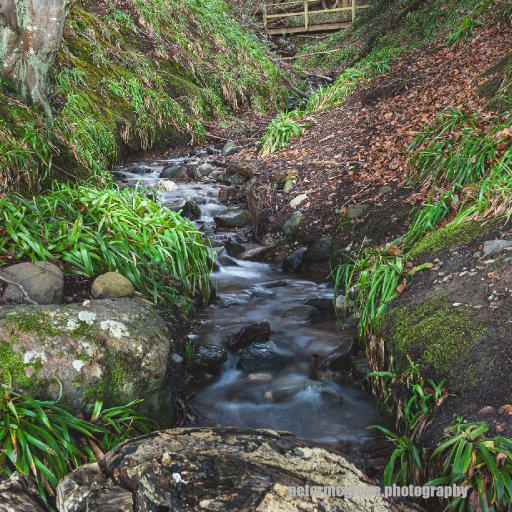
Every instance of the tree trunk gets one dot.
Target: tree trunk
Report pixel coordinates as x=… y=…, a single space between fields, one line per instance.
x=30 y=35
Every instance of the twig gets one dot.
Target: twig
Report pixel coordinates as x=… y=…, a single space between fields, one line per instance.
x=22 y=290
x=309 y=54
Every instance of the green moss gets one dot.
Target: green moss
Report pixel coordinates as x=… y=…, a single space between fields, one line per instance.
x=451 y=237
x=34 y=321
x=437 y=335
x=13 y=371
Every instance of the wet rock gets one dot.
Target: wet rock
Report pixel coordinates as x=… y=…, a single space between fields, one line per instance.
x=112 y=285
x=172 y=470
x=340 y=358
x=42 y=281
x=263 y=356
x=360 y=367
x=140 y=169
x=217 y=176
x=233 y=218
x=206 y=169
x=167 y=186
x=291 y=226
x=19 y=494
x=212 y=150
x=227 y=194
x=293 y=262
x=259 y=377
x=297 y=201
x=260 y=253
x=233 y=247
x=494 y=246
x=209 y=355
x=274 y=284
x=284 y=388
x=250 y=334
x=117 y=347
x=358 y=210
x=301 y=313
x=223 y=259
x=175 y=172
x=192 y=210
x=323 y=304
x=187 y=207
x=320 y=251
x=229 y=148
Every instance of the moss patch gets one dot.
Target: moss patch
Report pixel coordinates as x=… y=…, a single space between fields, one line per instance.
x=439 y=336
x=450 y=237
x=14 y=372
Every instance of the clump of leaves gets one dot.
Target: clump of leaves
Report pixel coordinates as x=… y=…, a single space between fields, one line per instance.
x=92 y=231
x=44 y=440
x=467 y=457
x=374 y=279
x=414 y=399
x=279 y=133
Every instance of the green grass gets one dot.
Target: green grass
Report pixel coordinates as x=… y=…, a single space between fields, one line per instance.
x=43 y=440
x=90 y=231
x=141 y=74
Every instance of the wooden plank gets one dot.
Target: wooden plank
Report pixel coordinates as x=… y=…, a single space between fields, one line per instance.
x=323 y=27
x=323 y=11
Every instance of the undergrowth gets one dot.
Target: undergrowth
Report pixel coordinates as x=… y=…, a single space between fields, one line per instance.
x=90 y=231
x=131 y=76
x=43 y=440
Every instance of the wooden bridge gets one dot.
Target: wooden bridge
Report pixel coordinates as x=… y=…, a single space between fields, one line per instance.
x=299 y=17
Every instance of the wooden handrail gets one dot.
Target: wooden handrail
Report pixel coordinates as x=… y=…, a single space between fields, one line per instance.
x=306 y=12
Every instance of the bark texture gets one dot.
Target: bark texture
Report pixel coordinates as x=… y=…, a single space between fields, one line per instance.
x=30 y=35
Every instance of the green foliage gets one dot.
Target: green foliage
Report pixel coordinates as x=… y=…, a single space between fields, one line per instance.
x=279 y=132
x=42 y=439
x=92 y=231
x=459 y=148
x=25 y=146
x=374 y=279
x=484 y=464
x=138 y=74
x=415 y=400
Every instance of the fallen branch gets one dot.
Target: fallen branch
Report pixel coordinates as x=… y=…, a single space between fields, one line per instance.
x=26 y=296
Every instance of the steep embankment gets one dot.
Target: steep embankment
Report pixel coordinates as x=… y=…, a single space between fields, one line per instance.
x=130 y=75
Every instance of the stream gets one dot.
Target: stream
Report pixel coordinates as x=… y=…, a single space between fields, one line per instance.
x=275 y=382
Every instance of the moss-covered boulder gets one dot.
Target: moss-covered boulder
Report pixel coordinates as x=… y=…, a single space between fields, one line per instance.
x=112 y=350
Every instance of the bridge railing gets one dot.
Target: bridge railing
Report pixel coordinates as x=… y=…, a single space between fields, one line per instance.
x=306 y=12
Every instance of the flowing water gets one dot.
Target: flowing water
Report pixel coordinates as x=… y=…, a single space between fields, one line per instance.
x=278 y=394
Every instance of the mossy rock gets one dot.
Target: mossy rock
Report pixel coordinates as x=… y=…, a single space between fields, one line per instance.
x=437 y=335
x=112 y=350
x=452 y=236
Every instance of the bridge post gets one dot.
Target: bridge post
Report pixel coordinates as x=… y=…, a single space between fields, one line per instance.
x=353 y=10
x=306 y=16
x=264 y=16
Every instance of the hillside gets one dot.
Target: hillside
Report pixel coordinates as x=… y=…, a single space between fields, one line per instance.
x=130 y=76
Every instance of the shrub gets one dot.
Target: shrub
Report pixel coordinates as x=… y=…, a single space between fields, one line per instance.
x=90 y=231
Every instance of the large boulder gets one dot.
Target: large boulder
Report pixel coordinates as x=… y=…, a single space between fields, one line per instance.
x=221 y=469
x=111 y=350
x=41 y=282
